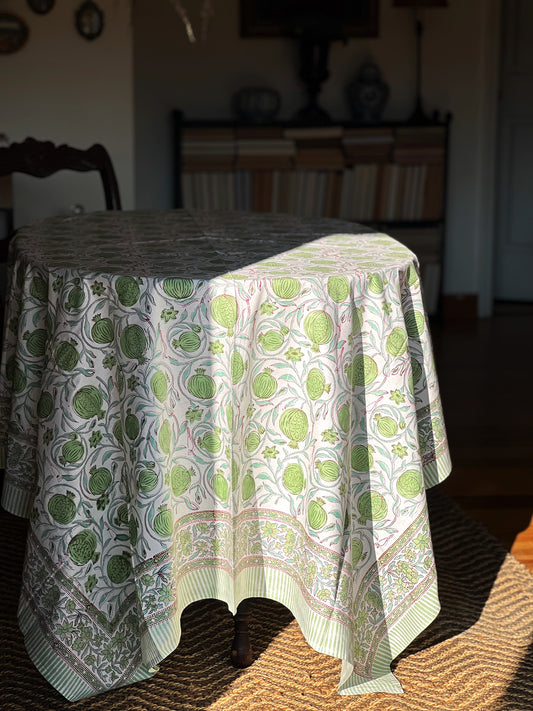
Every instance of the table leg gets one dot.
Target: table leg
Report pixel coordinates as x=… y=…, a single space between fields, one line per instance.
x=241 y=651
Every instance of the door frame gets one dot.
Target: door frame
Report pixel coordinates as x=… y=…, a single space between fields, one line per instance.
x=488 y=204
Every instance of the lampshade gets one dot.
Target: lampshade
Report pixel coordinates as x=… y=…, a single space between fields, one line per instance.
x=420 y=3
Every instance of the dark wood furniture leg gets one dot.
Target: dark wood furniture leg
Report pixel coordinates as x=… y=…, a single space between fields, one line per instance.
x=241 y=651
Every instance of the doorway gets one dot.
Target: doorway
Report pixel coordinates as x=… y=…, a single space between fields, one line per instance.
x=513 y=255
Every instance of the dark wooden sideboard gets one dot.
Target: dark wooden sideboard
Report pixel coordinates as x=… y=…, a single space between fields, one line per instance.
x=390 y=176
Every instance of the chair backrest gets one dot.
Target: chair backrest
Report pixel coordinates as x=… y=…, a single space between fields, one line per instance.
x=42 y=158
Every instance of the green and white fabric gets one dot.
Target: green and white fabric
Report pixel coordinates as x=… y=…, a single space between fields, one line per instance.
x=217 y=405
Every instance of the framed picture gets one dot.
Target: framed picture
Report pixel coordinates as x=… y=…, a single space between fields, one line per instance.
x=89 y=20
x=13 y=33
x=277 y=18
x=41 y=7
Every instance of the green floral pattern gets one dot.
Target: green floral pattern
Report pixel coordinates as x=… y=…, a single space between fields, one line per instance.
x=217 y=405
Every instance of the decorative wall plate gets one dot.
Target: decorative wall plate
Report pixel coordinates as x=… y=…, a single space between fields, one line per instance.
x=89 y=20
x=13 y=33
x=41 y=7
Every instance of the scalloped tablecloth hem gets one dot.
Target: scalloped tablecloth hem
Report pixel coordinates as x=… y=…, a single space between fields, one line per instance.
x=58 y=671
x=412 y=623
x=437 y=471
x=16 y=501
x=355 y=684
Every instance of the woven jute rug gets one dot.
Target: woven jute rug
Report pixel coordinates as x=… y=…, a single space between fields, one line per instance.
x=476 y=656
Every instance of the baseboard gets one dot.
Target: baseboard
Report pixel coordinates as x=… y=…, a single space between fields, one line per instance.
x=496 y=501
x=459 y=306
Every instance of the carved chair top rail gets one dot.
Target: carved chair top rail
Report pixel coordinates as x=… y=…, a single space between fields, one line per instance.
x=43 y=158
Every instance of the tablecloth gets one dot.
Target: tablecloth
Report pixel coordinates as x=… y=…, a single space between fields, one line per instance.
x=218 y=405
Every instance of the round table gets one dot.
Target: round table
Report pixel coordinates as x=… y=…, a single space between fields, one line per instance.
x=218 y=405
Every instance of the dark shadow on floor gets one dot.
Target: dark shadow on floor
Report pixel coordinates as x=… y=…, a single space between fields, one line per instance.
x=519 y=693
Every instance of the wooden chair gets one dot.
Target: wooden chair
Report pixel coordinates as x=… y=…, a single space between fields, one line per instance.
x=42 y=158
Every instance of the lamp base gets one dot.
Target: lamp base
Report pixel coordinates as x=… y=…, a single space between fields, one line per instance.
x=314 y=54
x=419 y=117
x=312 y=114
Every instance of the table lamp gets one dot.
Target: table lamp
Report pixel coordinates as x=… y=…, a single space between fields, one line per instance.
x=418 y=115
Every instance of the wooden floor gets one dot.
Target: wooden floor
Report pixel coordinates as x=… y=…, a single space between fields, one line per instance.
x=485 y=369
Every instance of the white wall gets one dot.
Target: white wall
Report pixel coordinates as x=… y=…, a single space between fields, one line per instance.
x=64 y=88
x=200 y=79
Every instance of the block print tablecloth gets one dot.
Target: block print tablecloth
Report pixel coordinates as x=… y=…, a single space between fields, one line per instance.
x=218 y=405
